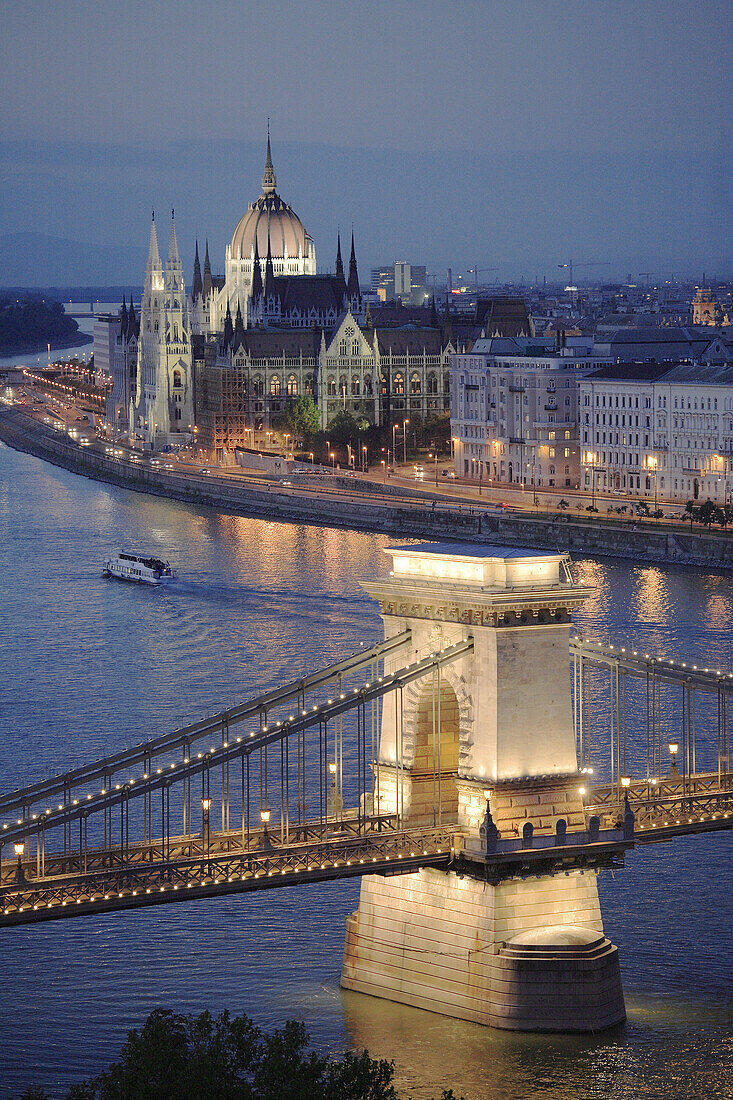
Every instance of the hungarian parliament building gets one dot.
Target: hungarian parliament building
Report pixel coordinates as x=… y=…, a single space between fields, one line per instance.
x=227 y=355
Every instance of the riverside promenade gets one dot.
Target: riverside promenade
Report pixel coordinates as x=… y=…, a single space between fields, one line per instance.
x=364 y=506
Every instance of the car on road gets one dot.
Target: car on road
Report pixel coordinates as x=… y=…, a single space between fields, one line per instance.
x=155 y=462
x=168 y=466
x=449 y=473
x=205 y=472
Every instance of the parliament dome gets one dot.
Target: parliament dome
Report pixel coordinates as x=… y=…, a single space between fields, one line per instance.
x=270 y=217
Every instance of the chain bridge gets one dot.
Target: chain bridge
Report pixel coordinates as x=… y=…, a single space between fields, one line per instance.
x=458 y=765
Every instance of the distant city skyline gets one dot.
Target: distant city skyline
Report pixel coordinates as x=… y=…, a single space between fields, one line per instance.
x=515 y=136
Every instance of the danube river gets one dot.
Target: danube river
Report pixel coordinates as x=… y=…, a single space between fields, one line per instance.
x=89 y=666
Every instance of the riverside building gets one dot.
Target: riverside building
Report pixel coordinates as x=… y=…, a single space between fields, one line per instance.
x=514 y=410
x=656 y=431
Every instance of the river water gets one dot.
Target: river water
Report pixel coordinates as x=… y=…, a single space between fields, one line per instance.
x=88 y=666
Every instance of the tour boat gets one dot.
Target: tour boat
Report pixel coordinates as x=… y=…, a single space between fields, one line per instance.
x=140 y=570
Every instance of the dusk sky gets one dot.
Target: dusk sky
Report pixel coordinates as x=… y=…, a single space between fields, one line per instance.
x=515 y=135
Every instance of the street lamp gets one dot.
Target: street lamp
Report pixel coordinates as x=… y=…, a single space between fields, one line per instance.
x=394 y=443
x=435 y=456
x=674 y=748
x=205 y=826
x=404 y=440
x=265 y=819
x=332 y=456
x=364 y=453
x=19 y=848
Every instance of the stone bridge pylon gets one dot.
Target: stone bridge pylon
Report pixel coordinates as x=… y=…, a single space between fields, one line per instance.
x=493 y=730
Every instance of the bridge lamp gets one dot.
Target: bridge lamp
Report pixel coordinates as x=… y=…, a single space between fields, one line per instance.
x=625 y=781
x=19 y=848
x=674 y=748
x=581 y=790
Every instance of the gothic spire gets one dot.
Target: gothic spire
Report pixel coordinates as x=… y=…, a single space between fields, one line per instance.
x=256 y=291
x=228 y=327
x=269 y=180
x=269 y=272
x=207 y=284
x=132 y=329
x=197 y=286
x=123 y=318
x=238 y=337
x=153 y=253
x=353 y=283
x=173 y=256
x=339 y=262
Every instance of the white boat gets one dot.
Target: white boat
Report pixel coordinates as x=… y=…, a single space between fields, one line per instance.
x=136 y=568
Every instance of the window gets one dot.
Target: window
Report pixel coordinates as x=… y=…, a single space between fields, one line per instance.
x=331 y=386
x=275 y=386
x=177 y=383
x=355 y=347
x=399 y=385
x=367 y=385
x=355 y=386
x=292 y=386
x=415 y=385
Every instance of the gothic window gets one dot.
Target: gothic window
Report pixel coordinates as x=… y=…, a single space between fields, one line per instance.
x=156 y=326
x=432 y=383
x=257 y=387
x=415 y=386
x=177 y=383
x=175 y=334
x=344 y=348
x=275 y=386
x=368 y=385
x=399 y=385
x=355 y=387
x=384 y=384
x=292 y=386
x=175 y=304
x=309 y=388
x=331 y=386
x=354 y=347
x=349 y=331
x=177 y=414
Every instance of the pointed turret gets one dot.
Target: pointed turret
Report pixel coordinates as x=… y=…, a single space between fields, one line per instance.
x=352 y=286
x=256 y=290
x=269 y=179
x=433 y=312
x=173 y=256
x=208 y=284
x=197 y=285
x=269 y=272
x=238 y=335
x=228 y=328
x=133 y=329
x=123 y=318
x=339 y=262
x=153 y=263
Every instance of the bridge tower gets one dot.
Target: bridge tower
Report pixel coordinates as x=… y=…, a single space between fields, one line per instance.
x=486 y=746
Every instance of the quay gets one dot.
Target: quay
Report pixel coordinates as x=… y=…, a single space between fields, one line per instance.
x=366 y=506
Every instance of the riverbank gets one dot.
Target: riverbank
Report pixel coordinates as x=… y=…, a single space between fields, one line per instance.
x=33 y=348
x=372 y=512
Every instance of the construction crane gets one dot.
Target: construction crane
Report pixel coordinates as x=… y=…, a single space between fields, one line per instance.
x=571 y=264
x=476 y=271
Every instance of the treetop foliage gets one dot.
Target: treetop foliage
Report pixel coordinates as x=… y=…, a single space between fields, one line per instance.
x=175 y=1057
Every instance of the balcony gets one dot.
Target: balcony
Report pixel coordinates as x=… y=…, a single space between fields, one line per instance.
x=516 y=389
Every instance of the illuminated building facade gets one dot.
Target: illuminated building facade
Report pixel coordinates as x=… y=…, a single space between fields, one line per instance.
x=514 y=411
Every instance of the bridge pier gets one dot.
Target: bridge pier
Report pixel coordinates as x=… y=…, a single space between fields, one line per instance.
x=502 y=938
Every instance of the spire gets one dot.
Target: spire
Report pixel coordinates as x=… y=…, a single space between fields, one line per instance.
x=208 y=284
x=132 y=327
x=433 y=311
x=228 y=328
x=238 y=337
x=269 y=272
x=256 y=290
x=339 y=262
x=197 y=286
x=153 y=253
x=123 y=318
x=353 y=283
x=269 y=180
x=173 y=256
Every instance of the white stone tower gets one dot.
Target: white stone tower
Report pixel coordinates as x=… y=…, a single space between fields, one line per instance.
x=163 y=404
x=512 y=936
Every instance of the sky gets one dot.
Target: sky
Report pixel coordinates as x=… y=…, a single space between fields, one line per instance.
x=509 y=135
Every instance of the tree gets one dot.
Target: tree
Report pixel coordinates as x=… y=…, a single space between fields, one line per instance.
x=303 y=415
x=174 y=1057
x=342 y=427
x=692 y=511
x=706 y=513
x=562 y=505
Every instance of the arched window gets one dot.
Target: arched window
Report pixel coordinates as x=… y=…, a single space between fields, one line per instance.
x=177 y=381
x=309 y=386
x=415 y=385
x=175 y=334
x=384 y=384
x=275 y=385
x=368 y=385
x=331 y=386
x=355 y=387
x=257 y=386
x=354 y=347
x=344 y=348
x=342 y=385
x=292 y=386
x=399 y=385
x=432 y=384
